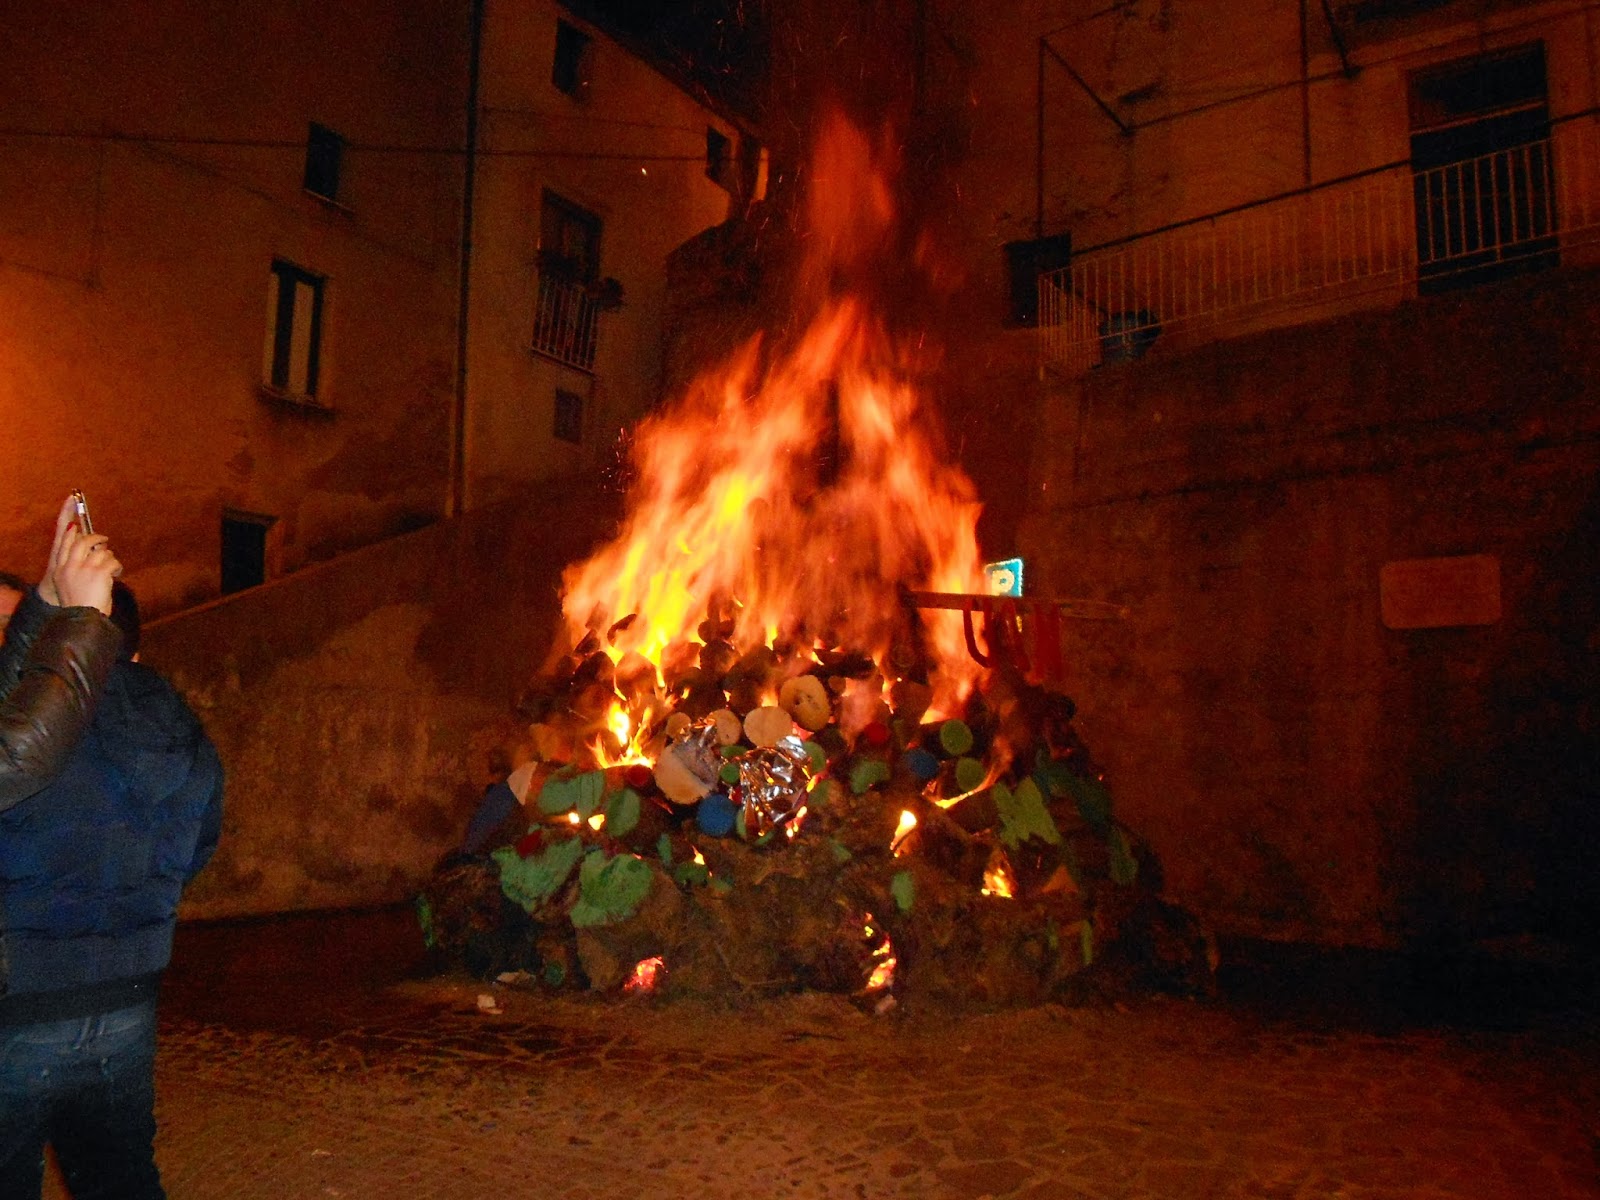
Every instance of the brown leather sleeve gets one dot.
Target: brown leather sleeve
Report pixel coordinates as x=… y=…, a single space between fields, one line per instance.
x=32 y=615
x=50 y=706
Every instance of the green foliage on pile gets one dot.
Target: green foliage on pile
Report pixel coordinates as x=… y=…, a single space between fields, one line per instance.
x=570 y=791
x=610 y=886
x=533 y=880
x=609 y=889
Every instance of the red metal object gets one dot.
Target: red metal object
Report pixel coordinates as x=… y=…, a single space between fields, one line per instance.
x=1003 y=628
x=1080 y=610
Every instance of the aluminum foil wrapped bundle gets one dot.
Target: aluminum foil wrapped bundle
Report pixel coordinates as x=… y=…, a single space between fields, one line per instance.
x=772 y=784
x=687 y=768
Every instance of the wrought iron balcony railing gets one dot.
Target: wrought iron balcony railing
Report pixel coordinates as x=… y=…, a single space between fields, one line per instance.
x=1363 y=240
x=565 y=322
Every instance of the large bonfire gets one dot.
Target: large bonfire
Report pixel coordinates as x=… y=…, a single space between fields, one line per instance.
x=758 y=765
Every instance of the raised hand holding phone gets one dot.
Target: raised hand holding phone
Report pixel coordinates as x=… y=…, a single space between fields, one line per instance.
x=82 y=565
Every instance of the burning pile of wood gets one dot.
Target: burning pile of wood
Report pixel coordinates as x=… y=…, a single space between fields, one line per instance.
x=776 y=773
x=795 y=820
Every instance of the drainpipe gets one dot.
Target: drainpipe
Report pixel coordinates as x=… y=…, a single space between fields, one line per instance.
x=456 y=501
x=919 y=54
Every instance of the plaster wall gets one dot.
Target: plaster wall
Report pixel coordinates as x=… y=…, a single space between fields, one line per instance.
x=1220 y=111
x=1302 y=770
x=154 y=159
x=632 y=150
x=1216 y=106
x=358 y=706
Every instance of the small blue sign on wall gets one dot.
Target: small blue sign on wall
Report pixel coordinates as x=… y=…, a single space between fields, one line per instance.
x=1004 y=578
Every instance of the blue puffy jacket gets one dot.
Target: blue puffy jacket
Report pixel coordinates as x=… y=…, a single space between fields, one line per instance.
x=92 y=866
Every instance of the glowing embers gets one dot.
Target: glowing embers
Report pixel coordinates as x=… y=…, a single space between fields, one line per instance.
x=908 y=822
x=883 y=959
x=997 y=876
x=621 y=726
x=647 y=973
x=632 y=708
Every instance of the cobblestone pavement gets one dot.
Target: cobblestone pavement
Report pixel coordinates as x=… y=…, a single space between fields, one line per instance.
x=407 y=1090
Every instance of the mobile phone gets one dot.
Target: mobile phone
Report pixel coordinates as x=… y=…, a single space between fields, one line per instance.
x=80 y=506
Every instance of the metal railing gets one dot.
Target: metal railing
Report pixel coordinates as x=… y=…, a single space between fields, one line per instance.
x=1383 y=234
x=565 y=322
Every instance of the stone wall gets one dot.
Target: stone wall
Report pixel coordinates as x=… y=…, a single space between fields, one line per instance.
x=357 y=704
x=1304 y=771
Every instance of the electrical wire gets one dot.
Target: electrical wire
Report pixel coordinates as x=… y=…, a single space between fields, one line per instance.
x=587 y=118
x=361 y=147
x=1253 y=91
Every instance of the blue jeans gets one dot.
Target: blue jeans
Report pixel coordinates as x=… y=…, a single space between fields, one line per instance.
x=86 y=1087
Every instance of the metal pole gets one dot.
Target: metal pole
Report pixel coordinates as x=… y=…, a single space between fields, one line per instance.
x=1305 y=88
x=1338 y=40
x=1038 y=221
x=1122 y=125
x=456 y=500
x=1082 y=610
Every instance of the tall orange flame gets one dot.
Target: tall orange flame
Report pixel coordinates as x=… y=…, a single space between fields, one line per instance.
x=737 y=507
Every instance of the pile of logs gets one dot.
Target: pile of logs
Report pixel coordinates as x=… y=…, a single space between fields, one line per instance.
x=795 y=821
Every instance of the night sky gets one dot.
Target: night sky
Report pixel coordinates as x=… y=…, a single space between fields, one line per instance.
x=719 y=45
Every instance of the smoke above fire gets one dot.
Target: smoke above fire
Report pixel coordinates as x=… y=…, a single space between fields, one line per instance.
x=797 y=489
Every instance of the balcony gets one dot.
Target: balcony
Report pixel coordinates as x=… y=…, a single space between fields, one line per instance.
x=1365 y=241
x=566 y=322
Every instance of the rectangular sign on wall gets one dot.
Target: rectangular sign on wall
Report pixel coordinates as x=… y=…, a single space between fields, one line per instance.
x=1438 y=593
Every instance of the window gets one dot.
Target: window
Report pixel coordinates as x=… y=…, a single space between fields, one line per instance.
x=1364 y=11
x=324 y=152
x=569 y=240
x=719 y=158
x=294 y=331
x=569 y=416
x=570 y=72
x=244 y=550
x=1480 y=156
x=571 y=294
x=1025 y=262
x=739 y=170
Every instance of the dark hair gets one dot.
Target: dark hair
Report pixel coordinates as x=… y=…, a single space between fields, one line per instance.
x=125 y=616
x=15 y=582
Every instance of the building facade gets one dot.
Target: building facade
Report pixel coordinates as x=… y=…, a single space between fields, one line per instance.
x=240 y=307
x=592 y=167
x=228 y=262
x=1290 y=300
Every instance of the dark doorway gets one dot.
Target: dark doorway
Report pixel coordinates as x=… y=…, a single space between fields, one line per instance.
x=244 y=550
